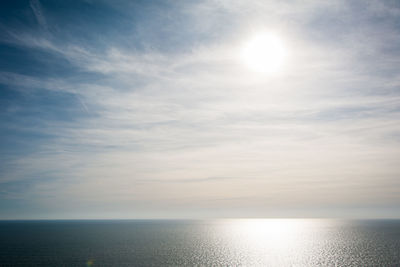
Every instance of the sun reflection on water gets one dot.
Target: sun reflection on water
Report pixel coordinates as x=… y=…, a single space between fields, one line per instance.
x=272 y=242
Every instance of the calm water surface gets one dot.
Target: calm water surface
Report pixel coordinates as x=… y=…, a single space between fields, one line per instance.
x=241 y=242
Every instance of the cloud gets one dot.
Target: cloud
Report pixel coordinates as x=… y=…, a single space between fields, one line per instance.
x=38 y=11
x=165 y=127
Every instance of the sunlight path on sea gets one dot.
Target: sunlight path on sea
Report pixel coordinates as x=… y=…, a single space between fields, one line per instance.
x=280 y=242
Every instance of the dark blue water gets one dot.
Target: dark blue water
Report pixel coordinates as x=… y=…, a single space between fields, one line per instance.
x=269 y=242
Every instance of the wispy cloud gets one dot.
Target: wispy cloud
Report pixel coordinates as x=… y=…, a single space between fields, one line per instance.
x=38 y=11
x=189 y=124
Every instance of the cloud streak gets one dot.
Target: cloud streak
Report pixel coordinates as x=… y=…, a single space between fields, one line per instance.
x=38 y=11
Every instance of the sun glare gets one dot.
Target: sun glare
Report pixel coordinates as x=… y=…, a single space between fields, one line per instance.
x=264 y=53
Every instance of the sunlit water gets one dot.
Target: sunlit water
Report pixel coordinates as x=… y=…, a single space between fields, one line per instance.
x=253 y=242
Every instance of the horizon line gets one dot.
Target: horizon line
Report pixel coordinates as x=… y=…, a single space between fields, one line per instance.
x=203 y=219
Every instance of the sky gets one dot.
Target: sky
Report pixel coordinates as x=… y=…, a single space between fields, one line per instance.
x=145 y=109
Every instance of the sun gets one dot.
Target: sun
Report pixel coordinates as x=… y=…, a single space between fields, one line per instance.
x=264 y=53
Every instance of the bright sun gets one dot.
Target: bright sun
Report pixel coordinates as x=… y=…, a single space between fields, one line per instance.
x=264 y=53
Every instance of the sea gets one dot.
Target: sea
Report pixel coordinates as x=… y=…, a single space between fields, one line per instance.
x=228 y=242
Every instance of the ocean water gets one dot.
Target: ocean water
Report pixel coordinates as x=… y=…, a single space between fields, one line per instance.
x=241 y=242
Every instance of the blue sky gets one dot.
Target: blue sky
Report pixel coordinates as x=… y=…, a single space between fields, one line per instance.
x=144 y=109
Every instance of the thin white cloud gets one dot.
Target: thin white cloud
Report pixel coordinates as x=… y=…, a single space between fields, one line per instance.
x=38 y=11
x=322 y=132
